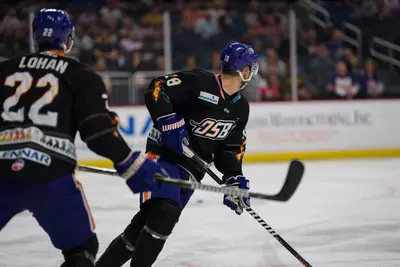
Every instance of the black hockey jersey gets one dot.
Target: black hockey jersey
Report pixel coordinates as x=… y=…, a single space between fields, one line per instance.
x=44 y=100
x=215 y=120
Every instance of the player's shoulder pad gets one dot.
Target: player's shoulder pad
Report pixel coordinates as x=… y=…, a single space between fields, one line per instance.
x=82 y=72
x=83 y=77
x=12 y=61
x=195 y=78
x=189 y=75
x=198 y=79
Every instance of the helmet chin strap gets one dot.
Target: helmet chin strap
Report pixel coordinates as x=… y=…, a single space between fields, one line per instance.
x=68 y=49
x=253 y=71
x=244 y=80
x=244 y=84
x=71 y=42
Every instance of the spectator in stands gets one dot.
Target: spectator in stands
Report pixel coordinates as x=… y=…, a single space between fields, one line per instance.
x=256 y=34
x=342 y=85
x=107 y=83
x=370 y=8
x=339 y=12
x=392 y=5
x=251 y=14
x=88 y=16
x=10 y=21
x=219 y=10
x=321 y=67
x=101 y=64
x=270 y=24
x=351 y=60
x=357 y=15
x=271 y=89
x=104 y=49
x=122 y=36
x=216 y=60
x=370 y=83
x=206 y=26
x=111 y=13
x=130 y=42
x=307 y=44
x=153 y=17
x=303 y=92
x=160 y=63
x=147 y=62
x=134 y=61
x=272 y=64
x=190 y=15
x=87 y=41
x=191 y=62
x=336 y=45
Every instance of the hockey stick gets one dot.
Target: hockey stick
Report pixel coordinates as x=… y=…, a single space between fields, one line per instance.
x=293 y=178
x=186 y=184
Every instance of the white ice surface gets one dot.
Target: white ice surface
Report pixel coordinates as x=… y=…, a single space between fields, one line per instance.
x=345 y=213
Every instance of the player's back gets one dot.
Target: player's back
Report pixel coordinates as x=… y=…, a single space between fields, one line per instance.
x=37 y=122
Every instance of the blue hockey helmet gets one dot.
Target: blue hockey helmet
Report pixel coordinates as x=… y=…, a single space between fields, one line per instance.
x=236 y=56
x=52 y=28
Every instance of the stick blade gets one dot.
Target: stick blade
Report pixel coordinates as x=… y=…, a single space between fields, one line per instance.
x=293 y=179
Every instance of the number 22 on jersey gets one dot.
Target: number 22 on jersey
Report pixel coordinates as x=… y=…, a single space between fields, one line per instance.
x=26 y=82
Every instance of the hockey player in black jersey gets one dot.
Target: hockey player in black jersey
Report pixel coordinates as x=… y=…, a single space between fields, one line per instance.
x=206 y=112
x=45 y=99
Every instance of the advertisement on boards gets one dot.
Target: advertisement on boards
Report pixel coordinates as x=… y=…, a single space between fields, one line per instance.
x=326 y=125
x=303 y=127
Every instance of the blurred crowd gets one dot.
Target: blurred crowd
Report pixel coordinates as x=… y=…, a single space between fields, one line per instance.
x=127 y=36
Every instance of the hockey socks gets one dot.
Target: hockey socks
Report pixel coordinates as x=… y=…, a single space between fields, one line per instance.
x=117 y=253
x=147 y=249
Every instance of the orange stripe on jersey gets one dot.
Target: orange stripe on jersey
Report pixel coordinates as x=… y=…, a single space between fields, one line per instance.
x=157 y=90
x=146 y=196
x=241 y=154
x=152 y=156
x=86 y=203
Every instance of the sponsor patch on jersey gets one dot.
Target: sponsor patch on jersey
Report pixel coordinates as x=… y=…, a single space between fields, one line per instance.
x=18 y=165
x=173 y=126
x=26 y=153
x=34 y=135
x=209 y=97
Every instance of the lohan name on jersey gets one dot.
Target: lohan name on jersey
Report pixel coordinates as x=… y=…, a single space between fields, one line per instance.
x=43 y=63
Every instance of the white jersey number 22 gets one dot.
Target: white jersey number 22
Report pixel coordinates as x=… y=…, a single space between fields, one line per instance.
x=26 y=81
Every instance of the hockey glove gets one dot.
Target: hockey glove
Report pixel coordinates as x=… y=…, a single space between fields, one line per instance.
x=237 y=203
x=139 y=172
x=173 y=132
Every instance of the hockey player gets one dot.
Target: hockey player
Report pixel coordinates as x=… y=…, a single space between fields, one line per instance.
x=206 y=112
x=45 y=99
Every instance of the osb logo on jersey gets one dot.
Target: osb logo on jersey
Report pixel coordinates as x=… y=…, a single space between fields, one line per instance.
x=212 y=129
